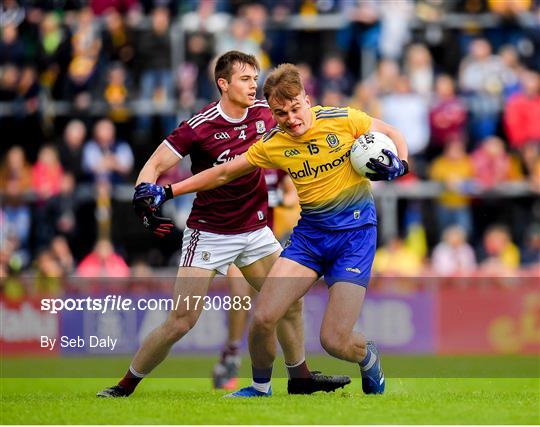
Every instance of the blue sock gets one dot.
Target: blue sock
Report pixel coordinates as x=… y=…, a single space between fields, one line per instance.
x=261 y=376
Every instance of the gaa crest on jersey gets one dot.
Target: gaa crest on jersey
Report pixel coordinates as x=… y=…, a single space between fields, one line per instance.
x=205 y=256
x=332 y=140
x=260 y=126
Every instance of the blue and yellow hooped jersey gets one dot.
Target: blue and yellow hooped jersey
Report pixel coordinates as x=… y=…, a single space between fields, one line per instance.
x=332 y=195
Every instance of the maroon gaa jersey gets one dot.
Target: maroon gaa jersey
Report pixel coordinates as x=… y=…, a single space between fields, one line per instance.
x=212 y=138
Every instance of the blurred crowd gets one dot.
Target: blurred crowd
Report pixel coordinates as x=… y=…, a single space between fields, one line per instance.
x=88 y=89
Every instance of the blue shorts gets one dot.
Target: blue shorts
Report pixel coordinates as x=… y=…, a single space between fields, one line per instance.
x=339 y=256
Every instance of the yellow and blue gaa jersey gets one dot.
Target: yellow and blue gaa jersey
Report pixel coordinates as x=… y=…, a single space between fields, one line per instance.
x=332 y=195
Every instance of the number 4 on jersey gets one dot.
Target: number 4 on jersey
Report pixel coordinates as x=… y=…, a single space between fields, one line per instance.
x=242 y=135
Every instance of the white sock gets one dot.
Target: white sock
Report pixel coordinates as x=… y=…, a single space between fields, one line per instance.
x=370 y=362
x=262 y=387
x=135 y=373
x=296 y=364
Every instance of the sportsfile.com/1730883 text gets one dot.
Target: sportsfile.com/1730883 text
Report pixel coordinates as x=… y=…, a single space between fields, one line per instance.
x=119 y=303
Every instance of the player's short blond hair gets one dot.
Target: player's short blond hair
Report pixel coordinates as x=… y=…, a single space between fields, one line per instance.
x=284 y=83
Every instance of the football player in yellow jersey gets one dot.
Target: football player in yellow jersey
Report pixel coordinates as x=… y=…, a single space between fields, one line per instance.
x=336 y=234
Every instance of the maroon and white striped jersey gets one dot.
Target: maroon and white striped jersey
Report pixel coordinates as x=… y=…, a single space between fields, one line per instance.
x=212 y=138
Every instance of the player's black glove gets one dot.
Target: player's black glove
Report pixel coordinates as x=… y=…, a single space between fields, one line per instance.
x=383 y=172
x=146 y=202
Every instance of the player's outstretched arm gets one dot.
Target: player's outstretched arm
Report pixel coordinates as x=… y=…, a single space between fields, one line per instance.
x=161 y=160
x=214 y=177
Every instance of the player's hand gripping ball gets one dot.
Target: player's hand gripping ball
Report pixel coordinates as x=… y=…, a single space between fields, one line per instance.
x=146 y=202
x=374 y=156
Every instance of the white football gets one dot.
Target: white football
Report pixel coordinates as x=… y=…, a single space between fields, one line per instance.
x=370 y=145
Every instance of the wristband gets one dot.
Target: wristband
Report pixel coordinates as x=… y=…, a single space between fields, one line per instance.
x=168 y=192
x=406 y=165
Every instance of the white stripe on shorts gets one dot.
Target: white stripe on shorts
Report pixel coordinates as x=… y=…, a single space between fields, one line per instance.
x=190 y=250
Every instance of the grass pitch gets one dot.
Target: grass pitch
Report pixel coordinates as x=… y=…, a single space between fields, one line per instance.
x=161 y=400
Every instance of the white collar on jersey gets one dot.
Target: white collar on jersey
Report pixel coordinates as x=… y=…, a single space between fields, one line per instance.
x=231 y=119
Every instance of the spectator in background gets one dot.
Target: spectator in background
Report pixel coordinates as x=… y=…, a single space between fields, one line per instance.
x=105 y=158
x=481 y=77
x=447 y=115
x=8 y=82
x=510 y=29
x=117 y=39
x=15 y=185
x=311 y=85
x=53 y=54
x=418 y=68
x=62 y=254
x=453 y=255
x=206 y=18
x=364 y=98
x=238 y=38
x=186 y=82
x=117 y=93
x=199 y=56
x=86 y=47
x=47 y=174
x=48 y=280
x=153 y=53
x=256 y=15
x=499 y=255
x=334 y=76
x=71 y=148
x=202 y=26
x=493 y=165
x=360 y=38
x=11 y=13
x=408 y=112
x=396 y=259
x=395 y=35
x=454 y=170
x=11 y=46
x=10 y=265
x=103 y=262
x=522 y=112
x=512 y=69
x=383 y=80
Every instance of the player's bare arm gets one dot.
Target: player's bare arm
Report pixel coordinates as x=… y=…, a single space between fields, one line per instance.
x=394 y=134
x=161 y=160
x=214 y=177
